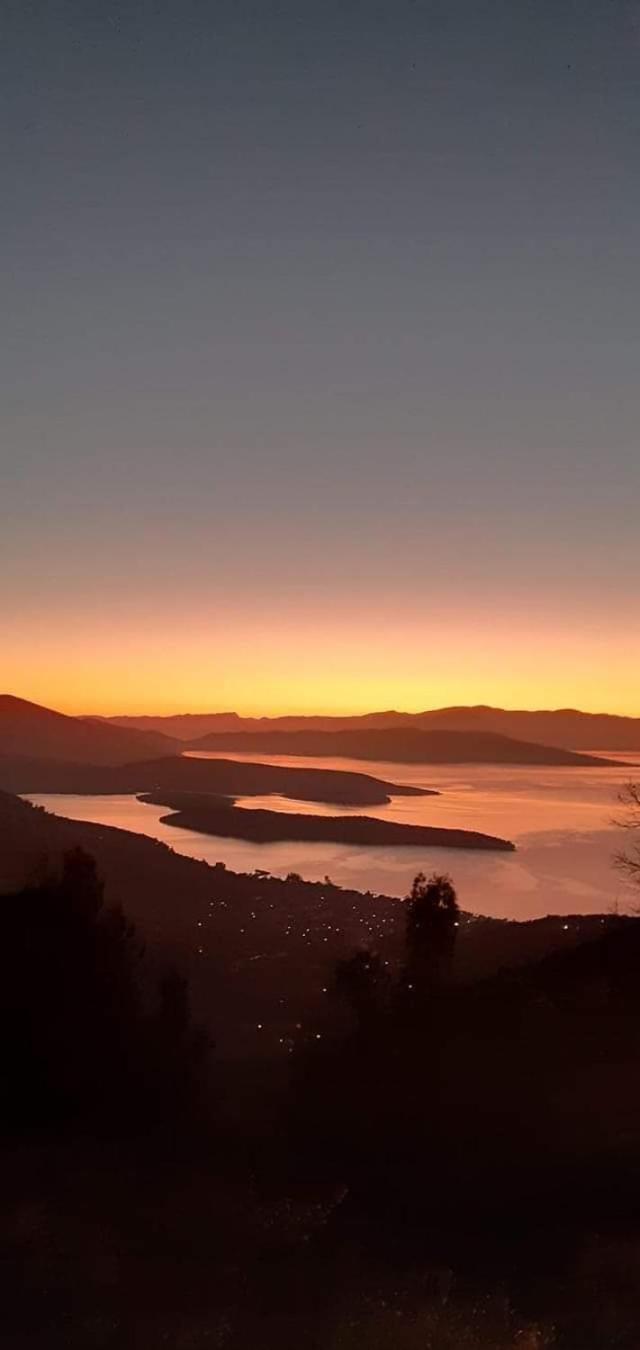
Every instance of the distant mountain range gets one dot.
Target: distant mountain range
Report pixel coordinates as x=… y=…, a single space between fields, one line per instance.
x=32 y=733
x=43 y=751
x=567 y=728
x=401 y=745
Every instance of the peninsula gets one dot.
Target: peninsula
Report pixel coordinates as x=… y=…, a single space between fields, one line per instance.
x=221 y=817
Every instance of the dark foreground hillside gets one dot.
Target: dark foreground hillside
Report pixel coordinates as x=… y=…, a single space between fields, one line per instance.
x=412 y=1128
x=257 y=949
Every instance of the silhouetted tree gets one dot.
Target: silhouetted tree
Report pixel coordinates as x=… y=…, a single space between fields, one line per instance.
x=431 y=925
x=628 y=860
x=75 y=1040
x=80 y=887
x=362 y=980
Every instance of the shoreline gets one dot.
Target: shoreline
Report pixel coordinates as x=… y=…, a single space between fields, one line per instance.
x=225 y=820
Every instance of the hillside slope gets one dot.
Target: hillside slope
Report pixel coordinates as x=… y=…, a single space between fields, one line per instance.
x=188 y=726
x=560 y=727
x=183 y=774
x=27 y=729
x=568 y=728
x=407 y=745
x=215 y=923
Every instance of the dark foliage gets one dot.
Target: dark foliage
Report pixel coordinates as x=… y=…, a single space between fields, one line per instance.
x=362 y=980
x=77 y=1043
x=465 y=1162
x=628 y=859
x=433 y=915
x=490 y=1108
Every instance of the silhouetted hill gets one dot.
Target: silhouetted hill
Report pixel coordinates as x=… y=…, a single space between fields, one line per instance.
x=212 y=815
x=183 y=774
x=182 y=726
x=565 y=727
x=402 y=745
x=483 y=1141
x=188 y=726
x=257 y=950
x=26 y=729
x=561 y=727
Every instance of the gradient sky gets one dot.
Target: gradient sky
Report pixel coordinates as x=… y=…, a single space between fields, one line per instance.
x=320 y=354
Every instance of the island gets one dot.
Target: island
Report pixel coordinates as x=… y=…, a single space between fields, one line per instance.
x=210 y=814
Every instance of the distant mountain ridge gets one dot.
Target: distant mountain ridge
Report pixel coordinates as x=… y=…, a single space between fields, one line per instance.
x=401 y=745
x=190 y=726
x=566 y=728
x=29 y=730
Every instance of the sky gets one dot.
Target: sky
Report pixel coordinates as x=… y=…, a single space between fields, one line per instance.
x=319 y=354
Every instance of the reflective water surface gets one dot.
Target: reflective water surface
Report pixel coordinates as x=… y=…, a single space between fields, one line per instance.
x=561 y=819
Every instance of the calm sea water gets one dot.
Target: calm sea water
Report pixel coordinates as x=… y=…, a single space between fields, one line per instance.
x=561 y=820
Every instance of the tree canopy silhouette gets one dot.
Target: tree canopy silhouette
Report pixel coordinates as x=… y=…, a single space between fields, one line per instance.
x=363 y=982
x=433 y=915
x=628 y=859
x=75 y=1037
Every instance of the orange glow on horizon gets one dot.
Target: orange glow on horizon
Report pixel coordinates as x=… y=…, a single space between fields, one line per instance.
x=261 y=667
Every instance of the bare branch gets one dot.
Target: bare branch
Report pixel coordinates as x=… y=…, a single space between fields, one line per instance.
x=628 y=861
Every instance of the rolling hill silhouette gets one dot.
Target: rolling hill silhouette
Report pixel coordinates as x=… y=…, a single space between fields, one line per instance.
x=567 y=728
x=27 y=729
x=172 y=897
x=189 y=726
x=26 y=774
x=408 y=745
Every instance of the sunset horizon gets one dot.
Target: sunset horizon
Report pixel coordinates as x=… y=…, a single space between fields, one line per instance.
x=319 y=674
x=309 y=665
x=260 y=712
